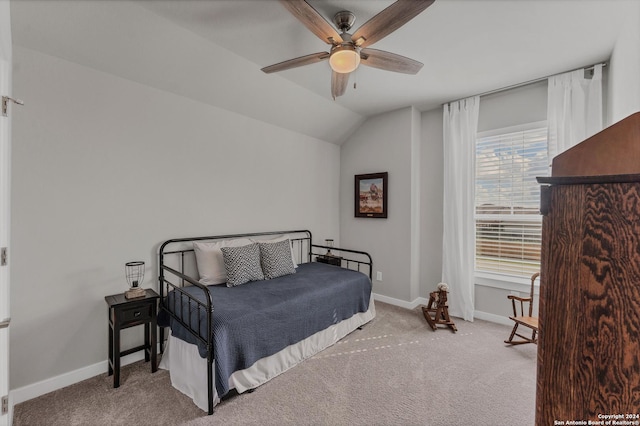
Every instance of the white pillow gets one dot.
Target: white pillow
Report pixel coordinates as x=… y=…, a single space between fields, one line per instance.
x=210 y=261
x=277 y=240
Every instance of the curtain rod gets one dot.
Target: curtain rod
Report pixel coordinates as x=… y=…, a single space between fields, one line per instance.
x=526 y=83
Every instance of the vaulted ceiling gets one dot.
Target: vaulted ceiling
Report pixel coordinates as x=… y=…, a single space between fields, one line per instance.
x=212 y=51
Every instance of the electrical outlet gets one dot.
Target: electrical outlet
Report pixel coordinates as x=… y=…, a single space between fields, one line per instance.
x=378 y=276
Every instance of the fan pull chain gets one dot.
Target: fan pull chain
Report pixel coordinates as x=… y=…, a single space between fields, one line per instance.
x=355 y=79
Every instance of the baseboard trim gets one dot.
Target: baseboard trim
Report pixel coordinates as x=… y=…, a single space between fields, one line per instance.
x=401 y=303
x=35 y=390
x=486 y=316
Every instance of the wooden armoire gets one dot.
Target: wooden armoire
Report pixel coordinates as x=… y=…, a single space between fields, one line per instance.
x=589 y=344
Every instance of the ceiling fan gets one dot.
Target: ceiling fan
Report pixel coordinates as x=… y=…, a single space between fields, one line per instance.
x=349 y=51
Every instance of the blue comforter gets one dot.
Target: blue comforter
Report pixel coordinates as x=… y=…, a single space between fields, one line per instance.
x=260 y=318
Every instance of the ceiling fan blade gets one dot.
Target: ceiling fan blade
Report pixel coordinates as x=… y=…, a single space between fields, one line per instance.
x=297 y=62
x=389 y=20
x=312 y=20
x=339 y=83
x=389 y=61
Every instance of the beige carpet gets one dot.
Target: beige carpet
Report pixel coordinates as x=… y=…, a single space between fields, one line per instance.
x=396 y=371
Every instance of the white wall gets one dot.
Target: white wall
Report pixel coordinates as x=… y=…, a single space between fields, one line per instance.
x=624 y=70
x=415 y=206
x=522 y=105
x=431 y=198
x=105 y=169
x=126 y=39
x=384 y=143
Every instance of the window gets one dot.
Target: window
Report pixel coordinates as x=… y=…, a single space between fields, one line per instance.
x=508 y=223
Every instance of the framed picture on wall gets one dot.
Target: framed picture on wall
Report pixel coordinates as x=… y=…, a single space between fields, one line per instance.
x=371 y=192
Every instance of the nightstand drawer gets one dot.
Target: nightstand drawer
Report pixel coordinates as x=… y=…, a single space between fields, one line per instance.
x=138 y=313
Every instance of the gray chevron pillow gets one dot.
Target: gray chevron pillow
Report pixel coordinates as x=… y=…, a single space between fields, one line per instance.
x=242 y=264
x=276 y=259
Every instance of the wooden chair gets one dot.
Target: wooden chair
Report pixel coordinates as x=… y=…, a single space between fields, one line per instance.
x=528 y=321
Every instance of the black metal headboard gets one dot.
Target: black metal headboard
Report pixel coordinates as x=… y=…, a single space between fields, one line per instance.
x=302 y=244
x=183 y=253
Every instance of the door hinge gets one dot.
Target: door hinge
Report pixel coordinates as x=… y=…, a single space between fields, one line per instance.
x=3 y=256
x=5 y=104
x=5 y=404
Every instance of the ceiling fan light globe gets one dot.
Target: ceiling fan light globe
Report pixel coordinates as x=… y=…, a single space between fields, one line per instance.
x=344 y=59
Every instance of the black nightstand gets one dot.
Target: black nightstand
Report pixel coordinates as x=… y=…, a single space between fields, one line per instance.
x=331 y=260
x=125 y=313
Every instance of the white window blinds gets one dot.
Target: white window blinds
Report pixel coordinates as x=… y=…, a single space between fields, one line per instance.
x=508 y=223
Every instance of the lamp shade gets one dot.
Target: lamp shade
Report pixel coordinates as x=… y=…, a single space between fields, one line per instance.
x=134 y=271
x=344 y=59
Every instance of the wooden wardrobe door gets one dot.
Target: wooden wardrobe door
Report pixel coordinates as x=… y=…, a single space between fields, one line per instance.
x=589 y=347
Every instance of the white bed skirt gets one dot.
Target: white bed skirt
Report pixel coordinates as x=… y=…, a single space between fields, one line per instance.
x=188 y=370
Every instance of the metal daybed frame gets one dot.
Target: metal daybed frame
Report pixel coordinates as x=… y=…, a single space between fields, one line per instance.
x=303 y=245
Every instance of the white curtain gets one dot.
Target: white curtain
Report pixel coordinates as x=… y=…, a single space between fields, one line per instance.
x=574 y=108
x=460 y=128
